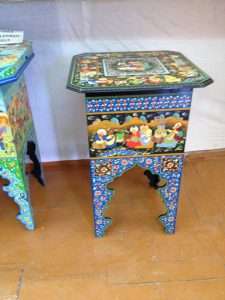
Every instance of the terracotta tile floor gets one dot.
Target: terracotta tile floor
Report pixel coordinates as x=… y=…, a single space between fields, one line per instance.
x=136 y=260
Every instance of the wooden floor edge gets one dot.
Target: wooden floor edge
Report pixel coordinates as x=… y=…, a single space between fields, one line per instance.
x=191 y=155
x=205 y=154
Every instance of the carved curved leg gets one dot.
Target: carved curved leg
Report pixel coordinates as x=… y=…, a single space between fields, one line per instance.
x=101 y=175
x=18 y=189
x=103 y=171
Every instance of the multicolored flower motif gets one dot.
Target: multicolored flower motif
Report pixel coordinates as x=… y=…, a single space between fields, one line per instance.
x=133 y=70
x=103 y=169
x=170 y=164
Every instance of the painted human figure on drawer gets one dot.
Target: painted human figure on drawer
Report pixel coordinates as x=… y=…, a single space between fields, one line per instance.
x=99 y=139
x=134 y=140
x=167 y=138
x=110 y=140
x=159 y=134
x=140 y=133
x=178 y=132
x=104 y=140
x=146 y=135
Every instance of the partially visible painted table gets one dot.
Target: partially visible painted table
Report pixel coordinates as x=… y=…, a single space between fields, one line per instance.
x=138 y=106
x=17 y=133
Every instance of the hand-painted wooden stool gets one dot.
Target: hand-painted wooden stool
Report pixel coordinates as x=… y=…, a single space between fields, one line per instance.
x=137 y=106
x=17 y=133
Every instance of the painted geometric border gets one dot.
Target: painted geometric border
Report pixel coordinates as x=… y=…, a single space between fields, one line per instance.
x=134 y=103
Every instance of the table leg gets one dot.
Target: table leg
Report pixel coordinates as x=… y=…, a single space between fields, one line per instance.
x=101 y=175
x=33 y=152
x=104 y=171
x=36 y=171
x=18 y=189
x=153 y=178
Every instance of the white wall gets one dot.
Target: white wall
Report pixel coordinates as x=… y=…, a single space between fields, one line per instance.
x=60 y=29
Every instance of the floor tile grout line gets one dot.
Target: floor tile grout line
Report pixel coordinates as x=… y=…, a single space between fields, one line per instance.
x=168 y=281
x=20 y=283
x=66 y=277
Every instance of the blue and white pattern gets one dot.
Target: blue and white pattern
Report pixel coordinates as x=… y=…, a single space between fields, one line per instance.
x=132 y=103
x=101 y=195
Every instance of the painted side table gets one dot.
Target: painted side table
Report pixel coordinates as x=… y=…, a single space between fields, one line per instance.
x=17 y=133
x=137 y=105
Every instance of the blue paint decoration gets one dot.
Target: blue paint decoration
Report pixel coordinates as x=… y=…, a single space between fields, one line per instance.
x=137 y=106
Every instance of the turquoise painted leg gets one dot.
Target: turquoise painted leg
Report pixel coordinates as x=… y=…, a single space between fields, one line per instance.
x=170 y=197
x=103 y=171
x=18 y=189
x=101 y=195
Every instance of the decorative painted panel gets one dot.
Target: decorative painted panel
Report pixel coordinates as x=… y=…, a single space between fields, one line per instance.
x=145 y=102
x=19 y=113
x=104 y=171
x=124 y=71
x=137 y=133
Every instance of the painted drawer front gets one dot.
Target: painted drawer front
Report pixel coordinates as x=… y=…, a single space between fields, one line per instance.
x=114 y=132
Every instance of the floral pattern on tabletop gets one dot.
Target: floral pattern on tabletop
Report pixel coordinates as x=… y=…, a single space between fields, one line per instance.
x=130 y=70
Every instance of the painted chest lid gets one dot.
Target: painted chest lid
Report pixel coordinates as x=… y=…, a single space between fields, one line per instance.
x=130 y=71
x=13 y=60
